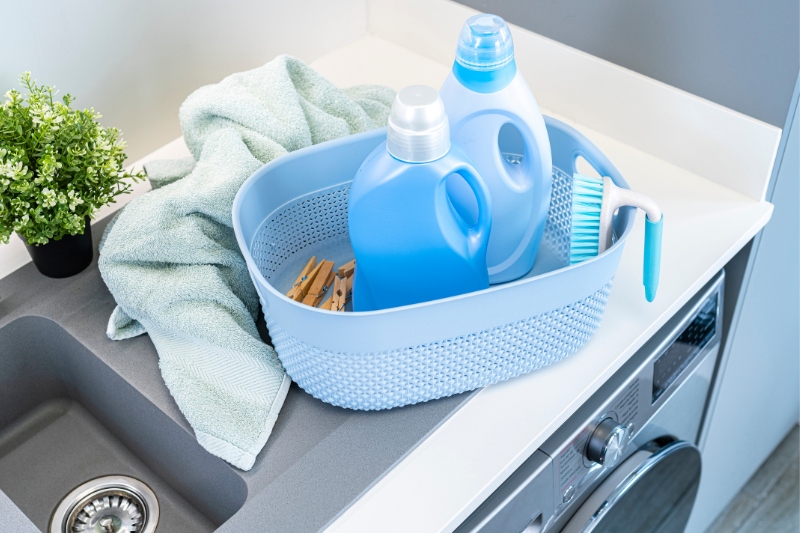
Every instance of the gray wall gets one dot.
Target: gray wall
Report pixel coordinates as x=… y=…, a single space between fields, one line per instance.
x=135 y=61
x=743 y=54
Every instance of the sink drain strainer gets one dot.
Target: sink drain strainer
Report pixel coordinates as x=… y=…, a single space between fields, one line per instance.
x=110 y=504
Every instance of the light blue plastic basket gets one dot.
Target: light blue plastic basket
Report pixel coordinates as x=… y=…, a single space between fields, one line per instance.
x=296 y=207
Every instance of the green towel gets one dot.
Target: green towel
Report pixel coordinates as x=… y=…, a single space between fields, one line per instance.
x=171 y=259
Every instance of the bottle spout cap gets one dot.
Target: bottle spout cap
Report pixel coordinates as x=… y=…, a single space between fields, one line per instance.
x=418 y=130
x=485 y=43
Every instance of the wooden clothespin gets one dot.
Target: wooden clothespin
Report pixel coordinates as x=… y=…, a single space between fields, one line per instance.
x=301 y=291
x=322 y=282
x=302 y=277
x=317 y=297
x=327 y=303
x=337 y=298
x=348 y=291
x=347 y=269
x=342 y=290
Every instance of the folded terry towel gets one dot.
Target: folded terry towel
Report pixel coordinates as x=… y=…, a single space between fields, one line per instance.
x=172 y=263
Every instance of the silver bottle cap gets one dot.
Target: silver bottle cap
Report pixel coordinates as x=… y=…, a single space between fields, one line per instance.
x=418 y=129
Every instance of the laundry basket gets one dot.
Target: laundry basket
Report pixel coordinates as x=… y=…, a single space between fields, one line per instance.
x=296 y=207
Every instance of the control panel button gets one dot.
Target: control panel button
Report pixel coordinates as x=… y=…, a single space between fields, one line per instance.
x=569 y=493
x=607 y=443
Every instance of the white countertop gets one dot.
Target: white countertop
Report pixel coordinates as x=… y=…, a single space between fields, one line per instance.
x=443 y=480
x=706 y=166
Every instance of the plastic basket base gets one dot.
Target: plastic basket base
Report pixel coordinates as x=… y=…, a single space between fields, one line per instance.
x=382 y=380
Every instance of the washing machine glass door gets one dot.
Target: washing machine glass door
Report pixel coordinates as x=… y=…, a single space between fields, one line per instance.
x=651 y=492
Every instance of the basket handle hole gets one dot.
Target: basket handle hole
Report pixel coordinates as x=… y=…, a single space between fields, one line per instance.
x=585 y=168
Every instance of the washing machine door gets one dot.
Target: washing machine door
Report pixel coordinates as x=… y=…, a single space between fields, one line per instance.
x=653 y=491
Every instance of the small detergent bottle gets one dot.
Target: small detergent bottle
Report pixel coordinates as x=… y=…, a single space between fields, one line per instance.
x=410 y=244
x=495 y=119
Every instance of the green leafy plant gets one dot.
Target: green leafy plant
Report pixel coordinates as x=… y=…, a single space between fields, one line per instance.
x=57 y=165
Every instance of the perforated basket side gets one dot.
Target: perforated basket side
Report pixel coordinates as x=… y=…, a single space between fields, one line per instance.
x=322 y=216
x=558 y=229
x=382 y=380
x=309 y=220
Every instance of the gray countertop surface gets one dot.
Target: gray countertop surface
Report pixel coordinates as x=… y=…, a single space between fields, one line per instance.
x=319 y=459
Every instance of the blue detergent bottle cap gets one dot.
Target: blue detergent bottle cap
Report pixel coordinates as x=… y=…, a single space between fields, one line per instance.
x=485 y=44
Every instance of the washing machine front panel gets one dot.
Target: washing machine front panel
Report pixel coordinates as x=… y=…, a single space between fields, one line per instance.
x=524 y=503
x=611 y=429
x=652 y=492
x=630 y=444
x=659 y=393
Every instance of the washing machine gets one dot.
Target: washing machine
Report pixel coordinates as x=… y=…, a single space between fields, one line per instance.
x=627 y=461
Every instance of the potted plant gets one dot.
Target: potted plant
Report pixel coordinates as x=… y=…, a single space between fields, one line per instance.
x=57 y=167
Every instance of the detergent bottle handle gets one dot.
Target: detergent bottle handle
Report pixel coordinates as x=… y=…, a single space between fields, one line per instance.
x=532 y=149
x=480 y=231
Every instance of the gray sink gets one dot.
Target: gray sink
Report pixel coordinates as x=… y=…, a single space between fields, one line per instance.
x=75 y=405
x=66 y=417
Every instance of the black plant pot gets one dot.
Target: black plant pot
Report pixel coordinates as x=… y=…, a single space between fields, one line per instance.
x=65 y=257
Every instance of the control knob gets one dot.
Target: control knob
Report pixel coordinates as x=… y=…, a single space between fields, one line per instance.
x=607 y=443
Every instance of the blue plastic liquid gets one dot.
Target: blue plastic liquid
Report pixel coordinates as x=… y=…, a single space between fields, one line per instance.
x=410 y=244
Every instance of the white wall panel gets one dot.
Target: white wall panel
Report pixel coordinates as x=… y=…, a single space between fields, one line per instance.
x=759 y=393
x=136 y=61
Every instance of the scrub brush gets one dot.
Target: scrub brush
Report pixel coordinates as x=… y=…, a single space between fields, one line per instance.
x=594 y=201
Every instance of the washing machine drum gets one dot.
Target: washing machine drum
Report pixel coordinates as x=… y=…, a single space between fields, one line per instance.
x=653 y=491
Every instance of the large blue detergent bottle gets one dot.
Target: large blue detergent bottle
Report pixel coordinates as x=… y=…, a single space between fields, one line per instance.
x=496 y=120
x=410 y=243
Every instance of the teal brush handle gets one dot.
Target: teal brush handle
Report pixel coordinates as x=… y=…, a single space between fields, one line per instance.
x=615 y=197
x=652 y=256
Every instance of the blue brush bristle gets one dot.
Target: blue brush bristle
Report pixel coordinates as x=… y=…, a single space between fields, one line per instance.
x=587 y=201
